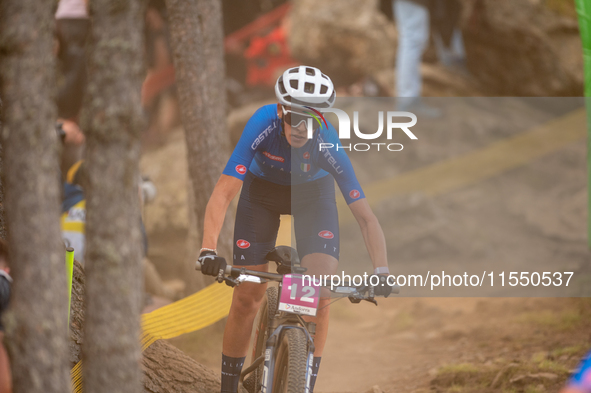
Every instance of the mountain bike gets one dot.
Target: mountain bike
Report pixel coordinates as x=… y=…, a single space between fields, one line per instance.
x=282 y=343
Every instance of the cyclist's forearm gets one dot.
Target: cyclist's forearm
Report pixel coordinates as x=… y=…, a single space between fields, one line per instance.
x=372 y=232
x=214 y=219
x=375 y=243
x=225 y=190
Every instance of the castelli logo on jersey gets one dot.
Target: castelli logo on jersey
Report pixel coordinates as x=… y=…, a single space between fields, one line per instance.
x=326 y=234
x=242 y=243
x=354 y=194
x=272 y=157
x=241 y=169
x=306 y=155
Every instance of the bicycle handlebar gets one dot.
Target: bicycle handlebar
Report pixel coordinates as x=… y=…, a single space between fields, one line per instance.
x=243 y=272
x=236 y=272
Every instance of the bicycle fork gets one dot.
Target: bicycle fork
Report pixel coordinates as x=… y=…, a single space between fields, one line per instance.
x=271 y=356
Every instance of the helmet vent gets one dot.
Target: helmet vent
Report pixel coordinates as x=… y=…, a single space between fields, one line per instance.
x=309 y=88
x=282 y=89
x=323 y=89
x=293 y=83
x=294 y=70
x=310 y=71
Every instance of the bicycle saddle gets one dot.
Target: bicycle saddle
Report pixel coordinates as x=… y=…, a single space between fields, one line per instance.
x=287 y=260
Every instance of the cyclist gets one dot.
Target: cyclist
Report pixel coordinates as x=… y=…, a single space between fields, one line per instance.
x=281 y=171
x=581 y=381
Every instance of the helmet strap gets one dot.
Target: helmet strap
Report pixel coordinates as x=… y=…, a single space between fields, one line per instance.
x=283 y=125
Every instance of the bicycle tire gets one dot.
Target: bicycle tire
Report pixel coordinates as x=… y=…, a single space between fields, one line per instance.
x=267 y=311
x=291 y=363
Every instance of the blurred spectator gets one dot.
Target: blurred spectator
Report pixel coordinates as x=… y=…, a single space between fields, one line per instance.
x=73 y=225
x=581 y=381
x=413 y=22
x=72 y=28
x=445 y=20
x=5 y=281
x=268 y=56
x=72 y=143
x=159 y=97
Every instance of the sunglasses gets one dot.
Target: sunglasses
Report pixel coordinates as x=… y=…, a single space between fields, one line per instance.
x=295 y=119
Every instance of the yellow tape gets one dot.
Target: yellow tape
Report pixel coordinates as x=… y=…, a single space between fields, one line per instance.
x=184 y=316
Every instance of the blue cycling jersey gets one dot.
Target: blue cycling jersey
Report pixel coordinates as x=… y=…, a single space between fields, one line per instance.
x=582 y=379
x=264 y=150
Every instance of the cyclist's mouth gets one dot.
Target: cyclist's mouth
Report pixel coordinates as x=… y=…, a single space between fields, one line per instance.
x=298 y=138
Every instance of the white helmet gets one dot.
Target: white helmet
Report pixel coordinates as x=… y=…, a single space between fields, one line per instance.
x=305 y=86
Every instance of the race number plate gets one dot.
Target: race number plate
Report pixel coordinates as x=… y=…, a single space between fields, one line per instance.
x=299 y=296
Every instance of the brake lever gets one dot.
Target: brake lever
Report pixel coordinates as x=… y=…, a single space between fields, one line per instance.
x=354 y=300
x=372 y=300
x=220 y=277
x=231 y=282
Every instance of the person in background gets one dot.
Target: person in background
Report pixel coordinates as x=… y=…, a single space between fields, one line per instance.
x=72 y=28
x=581 y=381
x=73 y=226
x=413 y=21
x=449 y=42
x=159 y=96
x=5 y=281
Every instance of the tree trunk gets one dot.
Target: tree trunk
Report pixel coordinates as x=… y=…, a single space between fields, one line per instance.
x=166 y=368
x=197 y=42
x=111 y=350
x=2 y=217
x=36 y=324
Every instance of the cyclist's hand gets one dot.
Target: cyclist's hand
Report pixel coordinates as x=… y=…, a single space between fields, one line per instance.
x=382 y=289
x=211 y=263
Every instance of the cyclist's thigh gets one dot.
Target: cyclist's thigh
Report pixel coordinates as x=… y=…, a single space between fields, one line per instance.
x=257 y=222
x=316 y=221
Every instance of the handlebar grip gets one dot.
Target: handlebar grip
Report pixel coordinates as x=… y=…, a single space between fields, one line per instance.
x=228 y=269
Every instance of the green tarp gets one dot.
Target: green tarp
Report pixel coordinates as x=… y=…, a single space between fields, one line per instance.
x=584 y=11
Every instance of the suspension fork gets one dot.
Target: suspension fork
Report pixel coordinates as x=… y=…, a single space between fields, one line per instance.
x=271 y=356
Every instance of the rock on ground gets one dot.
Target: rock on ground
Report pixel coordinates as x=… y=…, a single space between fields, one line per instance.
x=521 y=48
x=347 y=39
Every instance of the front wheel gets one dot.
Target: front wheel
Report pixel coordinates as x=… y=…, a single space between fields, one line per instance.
x=259 y=337
x=291 y=363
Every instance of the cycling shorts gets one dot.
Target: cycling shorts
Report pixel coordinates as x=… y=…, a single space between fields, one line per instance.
x=311 y=204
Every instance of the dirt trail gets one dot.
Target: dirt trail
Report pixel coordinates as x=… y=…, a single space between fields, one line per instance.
x=440 y=344
x=404 y=344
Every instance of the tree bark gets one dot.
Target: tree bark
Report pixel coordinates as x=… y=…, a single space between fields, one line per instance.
x=111 y=350
x=2 y=217
x=36 y=324
x=197 y=41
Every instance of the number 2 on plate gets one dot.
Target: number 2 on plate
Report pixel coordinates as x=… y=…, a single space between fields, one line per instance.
x=309 y=292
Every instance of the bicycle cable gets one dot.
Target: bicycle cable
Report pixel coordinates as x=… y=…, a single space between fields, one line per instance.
x=334 y=301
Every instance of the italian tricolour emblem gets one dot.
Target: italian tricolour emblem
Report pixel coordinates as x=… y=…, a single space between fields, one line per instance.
x=305 y=167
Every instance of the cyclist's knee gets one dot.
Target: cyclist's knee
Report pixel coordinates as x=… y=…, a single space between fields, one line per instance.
x=248 y=300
